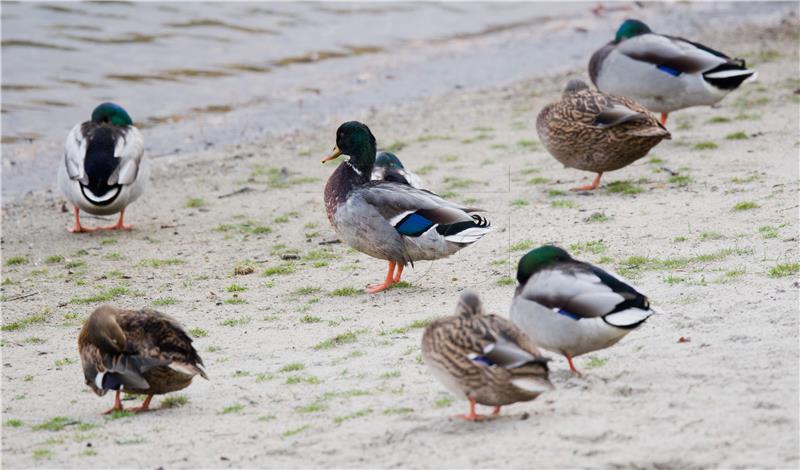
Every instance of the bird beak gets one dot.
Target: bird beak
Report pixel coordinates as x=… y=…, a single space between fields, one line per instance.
x=334 y=154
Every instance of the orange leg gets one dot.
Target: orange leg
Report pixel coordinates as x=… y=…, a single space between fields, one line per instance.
x=590 y=187
x=571 y=365
x=496 y=410
x=386 y=284
x=78 y=228
x=117 y=405
x=120 y=225
x=145 y=405
x=398 y=273
x=663 y=119
x=472 y=416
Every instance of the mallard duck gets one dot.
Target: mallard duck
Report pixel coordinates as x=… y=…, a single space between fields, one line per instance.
x=389 y=220
x=389 y=168
x=484 y=358
x=571 y=307
x=103 y=168
x=664 y=73
x=136 y=351
x=593 y=131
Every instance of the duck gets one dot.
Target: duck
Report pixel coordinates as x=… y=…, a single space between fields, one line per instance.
x=664 y=73
x=103 y=170
x=389 y=168
x=571 y=307
x=136 y=351
x=484 y=358
x=594 y=131
x=389 y=220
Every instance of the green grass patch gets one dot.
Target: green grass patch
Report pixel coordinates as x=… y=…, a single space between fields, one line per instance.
x=195 y=203
x=310 y=319
x=785 y=269
x=705 y=145
x=623 y=187
x=241 y=321
x=736 y=136
x=527 y=144
x=295 y=431
x=680 y=180
x=56 y=424
x=717 y=120
x=506 y=281
x=53 y=259
x=564 y=204
x=164 y=301
x=745 y=205
x=597 y=217
x=16 y=260
x=536 y=180
x=235 y=288
x=293 y=367
x=592 y=246
x=345 y=292
x=281 y=270
x=522 y=245
x=767 y=232
x=338 y=340
x=174 y=401
x=158 y=263
x=24 y=322
x=104 y=296
x=198 y=332
x=443 y=402
x=595 y=362
x=235 y=408
x=357 y=414
x=519 y=203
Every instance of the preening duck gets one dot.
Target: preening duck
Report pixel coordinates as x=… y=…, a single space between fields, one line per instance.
x=594 y=131
x=664 y=73
x=389 y=168
x=571 y=307
x=483 y=358
x=142 y=351
x=103 y=169
x=389 y=220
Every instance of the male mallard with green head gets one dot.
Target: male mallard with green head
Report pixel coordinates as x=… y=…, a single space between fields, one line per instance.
x=571 y=307
x=593 y=131
x=664 y=73
x=103 y=169
x=390 y=220
x=136 y=351
x=484 y=358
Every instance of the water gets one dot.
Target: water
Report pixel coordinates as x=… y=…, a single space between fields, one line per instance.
x=197 y=75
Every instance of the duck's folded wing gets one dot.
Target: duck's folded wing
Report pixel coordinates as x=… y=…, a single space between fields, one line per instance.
x=672 y=55
x=412 y=210
x=75 y=153
x=583 y=291
x=129 y=149
x=128 y=371
x=615 y=114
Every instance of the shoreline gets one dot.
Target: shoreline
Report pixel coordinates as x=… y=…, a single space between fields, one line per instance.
x=308 y=371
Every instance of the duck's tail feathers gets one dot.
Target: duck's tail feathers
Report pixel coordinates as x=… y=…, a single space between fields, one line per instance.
x=533 y=384
x=628 y=319
x=652 y=131
x=188 y=369
x=730 y=75
x=466 y=232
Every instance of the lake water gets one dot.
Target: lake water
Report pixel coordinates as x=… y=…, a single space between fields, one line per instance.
x=200 y=75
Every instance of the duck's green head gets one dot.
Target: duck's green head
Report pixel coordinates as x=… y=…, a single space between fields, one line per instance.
x=355 y=140
x=538 y=258
x=111 y=113
x=630 y=28
x=388 y=160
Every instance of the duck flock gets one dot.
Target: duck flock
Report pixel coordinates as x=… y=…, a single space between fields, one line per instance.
x=380 y=208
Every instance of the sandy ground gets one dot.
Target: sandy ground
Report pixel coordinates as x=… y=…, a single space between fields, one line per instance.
x=303 y=377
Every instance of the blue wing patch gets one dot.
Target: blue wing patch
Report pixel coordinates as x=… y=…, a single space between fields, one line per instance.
x=483 y=360
x=669 y=70
x=413 y=225
x=568 y=314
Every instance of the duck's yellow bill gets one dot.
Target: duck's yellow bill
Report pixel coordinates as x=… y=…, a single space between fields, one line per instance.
x=334 y=154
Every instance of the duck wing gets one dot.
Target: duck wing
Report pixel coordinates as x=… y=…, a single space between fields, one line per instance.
x=129 y=149
x=671 y=54
x=580 y=290
x=75 y=154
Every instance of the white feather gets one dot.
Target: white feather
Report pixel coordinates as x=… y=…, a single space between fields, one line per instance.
x=631 y=316
x=532 y=385
x=98 y=380
x=469 y=235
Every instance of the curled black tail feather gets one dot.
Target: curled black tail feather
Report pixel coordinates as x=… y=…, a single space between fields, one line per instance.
x=451 y=229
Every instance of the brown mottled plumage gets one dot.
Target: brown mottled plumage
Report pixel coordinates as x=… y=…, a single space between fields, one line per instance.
x=484 y=358
x=594 y=131
x=138 y=351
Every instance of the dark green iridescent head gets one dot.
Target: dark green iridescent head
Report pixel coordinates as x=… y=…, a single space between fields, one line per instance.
x=111 y=113
x=388 y=160
x=355 y=140
x=630 y=28
x=539 y=258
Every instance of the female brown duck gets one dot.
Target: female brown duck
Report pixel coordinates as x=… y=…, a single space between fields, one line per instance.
x=138 y=351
